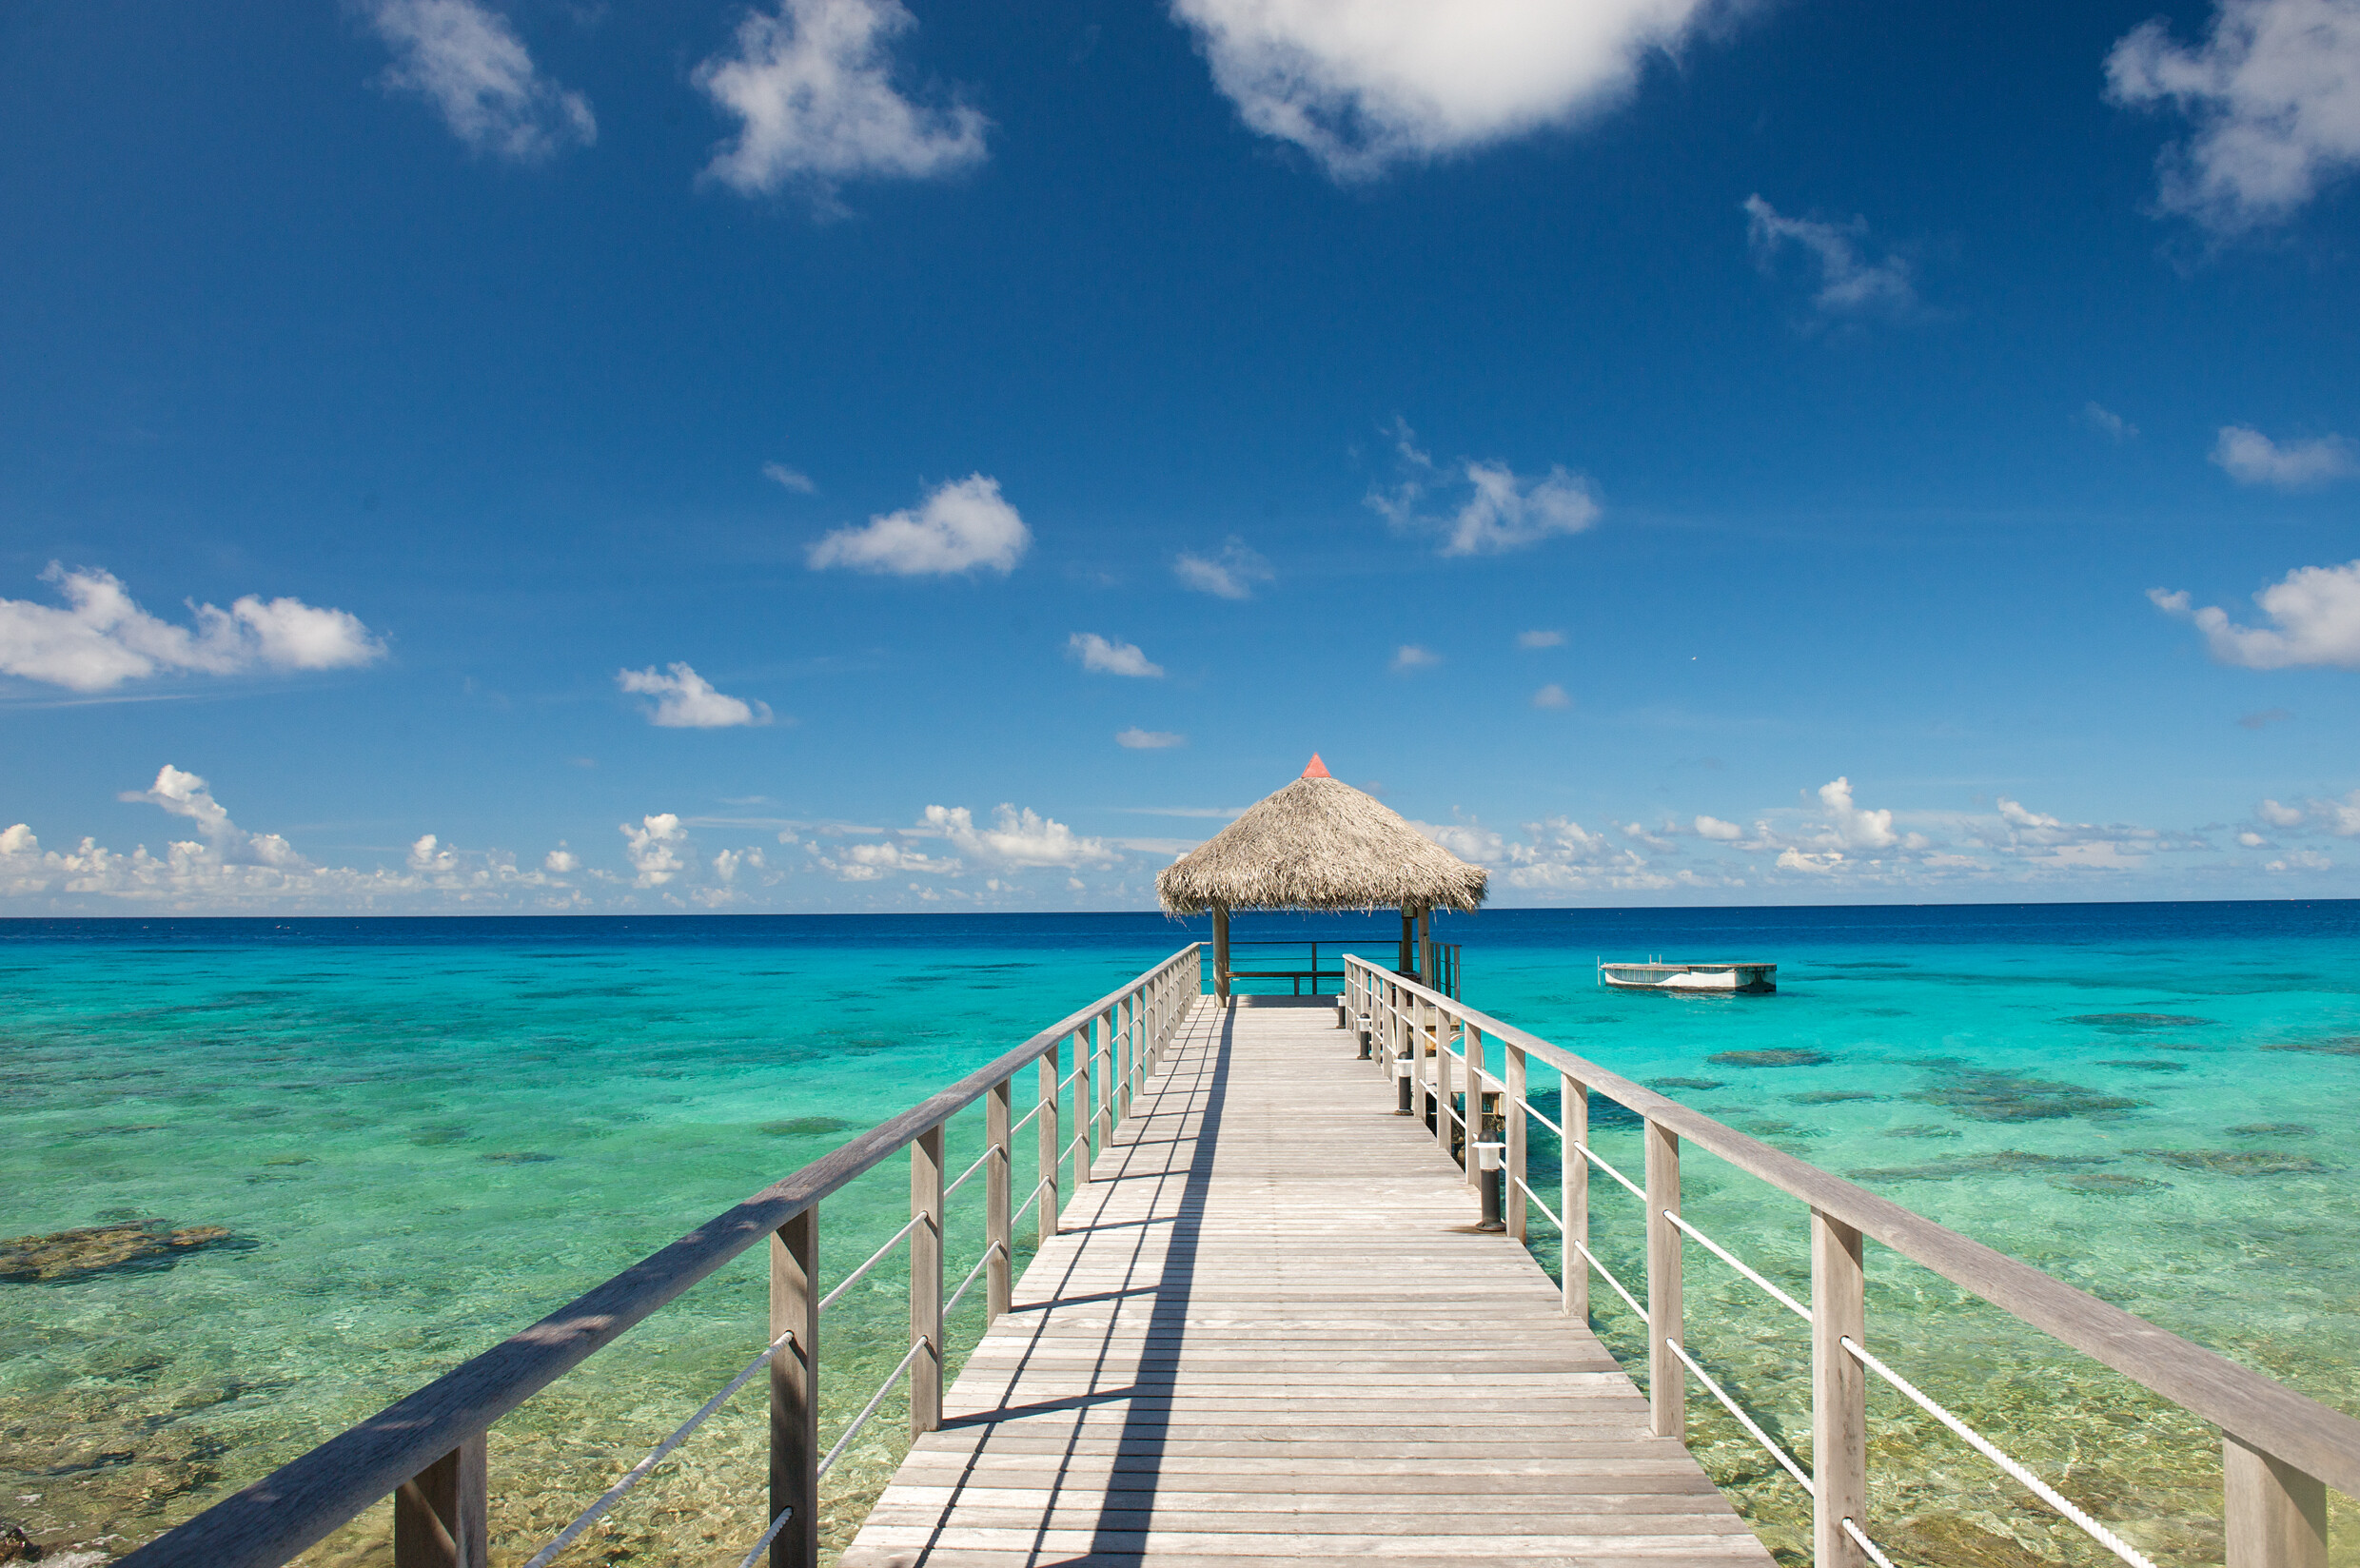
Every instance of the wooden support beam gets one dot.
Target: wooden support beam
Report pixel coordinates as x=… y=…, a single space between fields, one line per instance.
x=2276 y=1516
x=1839 y=1393
x=999 y=1234
x=794 y=1390
x=1051 y=1147
x=441 y=1516
x=926 y=1281
x=1573 y=1109
x=1668 y=1379
x=1516 y=1179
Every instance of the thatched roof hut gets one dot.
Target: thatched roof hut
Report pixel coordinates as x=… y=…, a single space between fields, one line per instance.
x=1319 y=844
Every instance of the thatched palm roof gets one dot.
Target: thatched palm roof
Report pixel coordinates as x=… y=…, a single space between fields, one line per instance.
x=1320 y=844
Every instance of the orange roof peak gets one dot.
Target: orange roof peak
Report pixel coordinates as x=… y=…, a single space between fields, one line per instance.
x=1317 y=769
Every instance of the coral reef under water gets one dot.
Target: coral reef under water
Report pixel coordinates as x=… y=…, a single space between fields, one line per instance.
x=2239 y=1162
x=92 y=1250
x=2004 y=1097
x=1791 y=1057
x=2001 y=1162
x=2139 y=1020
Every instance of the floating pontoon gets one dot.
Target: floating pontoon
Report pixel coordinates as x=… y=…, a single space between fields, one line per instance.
x=1751 y=978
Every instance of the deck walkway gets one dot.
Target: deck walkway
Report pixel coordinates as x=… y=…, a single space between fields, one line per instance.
x=1270 y=1332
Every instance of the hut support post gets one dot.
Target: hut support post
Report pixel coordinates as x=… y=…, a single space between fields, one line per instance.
x=1221 y=952
x=1406 y=963
x=1425 y=948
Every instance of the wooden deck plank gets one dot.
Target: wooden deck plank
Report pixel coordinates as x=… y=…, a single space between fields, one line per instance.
x=1270 y=1332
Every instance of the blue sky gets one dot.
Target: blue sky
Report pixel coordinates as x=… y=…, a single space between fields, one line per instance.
x=459 y=455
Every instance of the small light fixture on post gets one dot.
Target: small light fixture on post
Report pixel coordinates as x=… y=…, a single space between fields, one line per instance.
x=1492 y=1186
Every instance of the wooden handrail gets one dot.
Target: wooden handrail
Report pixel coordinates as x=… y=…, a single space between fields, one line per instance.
x=2255 y=1409
x=315 y=1494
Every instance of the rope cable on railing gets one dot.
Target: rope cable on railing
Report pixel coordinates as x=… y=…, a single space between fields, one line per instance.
x=1543 y=1120
x=1534 y=1199
x=768 y=1535
x=1983 y=1445
x=970 y=1278
x=1079 y=1138
x=1717 y=1251
x=1867 y=1545
x=1743 y=1420
x=1037 y=1107
x=1029 y=1200
x=970 y=1171
x=1636 y=1190
x=828 y=1299
x=1628 y=1300
x=638 y=1472
x=870 y=1409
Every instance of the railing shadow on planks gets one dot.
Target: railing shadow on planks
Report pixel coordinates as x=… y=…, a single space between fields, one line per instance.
x=427 y=1451
x=2280 y=1450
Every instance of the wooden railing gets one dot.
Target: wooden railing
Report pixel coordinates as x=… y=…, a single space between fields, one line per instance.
x=2280 y=1451
x=427 y=1451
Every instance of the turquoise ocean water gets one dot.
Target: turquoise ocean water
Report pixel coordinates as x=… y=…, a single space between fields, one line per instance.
x=421 y=1135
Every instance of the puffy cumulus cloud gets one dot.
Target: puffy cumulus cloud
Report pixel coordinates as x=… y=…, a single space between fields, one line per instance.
x=1551 y=695
x=561 y=862
x=2300 y=860
x=869 y=862
x=2025 y=834
x=653 y=847
x=1850 y=282
x=1136 y=740
x=1106 y=657
x=961 y=527
x=2279 y=816
x=2273 y=96
x=467 y=61
x=2252 y=458
x=685 y=701
x=1361 y=85
x=1857 y=827
x=1719 y=831
x=228 y=870
x=1559 y=855
x=1496 y=513
x=2314 y=616
x=810 y=86
x=2340 y=817
x=1410 y=657
x=1231 y=573
x=102 y=638
x=1015 y=839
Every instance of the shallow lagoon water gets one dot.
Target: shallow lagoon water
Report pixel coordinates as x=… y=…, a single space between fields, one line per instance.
x=425 y=1135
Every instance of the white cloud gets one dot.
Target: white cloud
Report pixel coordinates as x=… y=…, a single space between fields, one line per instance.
x=186 y=794
x=2301 y=860
x=685 y=701
x=2279 y=816
x=560 y=861
x=103 y=638
x=2107 y=423
x=2252 y=840
x=1859 y=829
x=1410 y=657
x=789 y=479
x=2314 y=614
x=1106 y=657
x=1539 y=640
x=653 y=849
x=1231 y=573
x=1714 y=828
x=1015 y=838
x=1366 y=85
x=2272 y=95
x=958 y=528
x=470 y=65
x=1850 y=284
x=2252 y=457
x=811 y=85
x=1138 y=739
x=1551 y=695
x=2339 y=817
x=1500 y=512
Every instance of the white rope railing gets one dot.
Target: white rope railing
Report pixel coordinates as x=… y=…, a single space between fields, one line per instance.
x=1636 y=1190
x=1543 y=1120
x=1982 y=1446
x=969 y=1171
x=870 y=1409
x=970 y=1278
x=853 y=1277
x=1080 y=1138
x=1717 y=1251
x=1743 y=1420
x=1534 y=1199
x=1861 y=1538
x=638 y=1472
x=1628 y=1300
x=1031 y=1200
x=1038 y=1107
x=768 y=1535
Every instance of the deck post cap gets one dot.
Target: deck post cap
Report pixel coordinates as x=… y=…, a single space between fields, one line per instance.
x=1316 y=769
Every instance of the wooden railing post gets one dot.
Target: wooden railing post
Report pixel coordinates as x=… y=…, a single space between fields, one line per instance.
x=1102 y=1035
x=926 y=1281
x=1573 y=1192
x=1051 y=1149
x=1668 y=1379
x=1839 y=1393
x=1000 y=1231
x=442 y=1516
x=1516 y=1151
x=1472 y=1042
x=1081 y=1109
x=1122 y=1058
x=1437 y=1036
x=794 y=1390
x=2276 y=1516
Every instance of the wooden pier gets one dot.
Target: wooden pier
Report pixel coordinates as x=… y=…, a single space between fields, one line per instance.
x=1269 y=1331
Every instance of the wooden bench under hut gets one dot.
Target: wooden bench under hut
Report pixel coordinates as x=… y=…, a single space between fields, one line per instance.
x=1320 y=844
